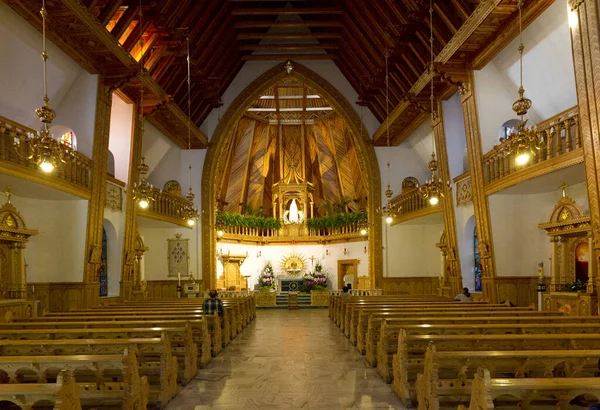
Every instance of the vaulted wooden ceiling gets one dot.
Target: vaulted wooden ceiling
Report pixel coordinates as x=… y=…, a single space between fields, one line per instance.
x=292 y=144
x=104 y=37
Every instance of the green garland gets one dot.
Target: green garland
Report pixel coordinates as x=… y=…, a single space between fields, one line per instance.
x=338 y=221
x=226 y=219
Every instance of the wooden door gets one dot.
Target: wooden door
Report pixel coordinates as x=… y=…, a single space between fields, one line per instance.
x=347 y=267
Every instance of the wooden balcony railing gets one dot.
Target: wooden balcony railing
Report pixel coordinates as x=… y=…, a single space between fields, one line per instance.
x=166 y=207
x=73 y=176
x=411 y=204
x=561 y=148
x=296 y=233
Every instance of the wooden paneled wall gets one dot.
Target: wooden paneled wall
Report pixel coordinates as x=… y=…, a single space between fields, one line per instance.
x=410 y=286
x=520 y=290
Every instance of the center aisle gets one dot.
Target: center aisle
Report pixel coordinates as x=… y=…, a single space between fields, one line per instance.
x=288 y=360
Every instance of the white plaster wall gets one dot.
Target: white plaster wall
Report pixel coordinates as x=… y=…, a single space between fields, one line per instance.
x=548 y=75
x=57 y=253
x=275 y=254
x=21 y=70
x=121 y=129
x=454 y=128
x=78 y=111
x=253 y=69
x=410 y=249
x=156 y=264
x=518 y=243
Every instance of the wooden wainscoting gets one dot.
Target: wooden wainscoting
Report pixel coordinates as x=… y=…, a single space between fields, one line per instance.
x=410 y=286
x=166 y=289
x=61 y=296
x=520 y=290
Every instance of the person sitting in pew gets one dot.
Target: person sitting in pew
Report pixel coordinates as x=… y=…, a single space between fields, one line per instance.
x=464 y=297
x=346 y=294
x=213 y=304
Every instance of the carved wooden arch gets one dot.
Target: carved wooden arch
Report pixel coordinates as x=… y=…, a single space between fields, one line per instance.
x=215 y=161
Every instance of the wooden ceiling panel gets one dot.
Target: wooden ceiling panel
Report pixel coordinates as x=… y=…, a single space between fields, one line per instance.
x=355 y=34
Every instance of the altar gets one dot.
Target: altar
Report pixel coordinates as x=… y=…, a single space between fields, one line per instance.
x=287 y=284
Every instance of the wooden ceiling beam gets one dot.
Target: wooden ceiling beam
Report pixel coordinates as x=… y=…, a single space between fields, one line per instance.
x=288 y=24
x=108 y=11
x=321 y=11
x=283 y=57
x=462 y=8
x=124 y=22
x=287 y=36
x=288 y=47
x=483 y=10
x=445 y=18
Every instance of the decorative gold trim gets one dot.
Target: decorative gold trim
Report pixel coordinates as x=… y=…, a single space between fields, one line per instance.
x=430 y=210
x=215 y=158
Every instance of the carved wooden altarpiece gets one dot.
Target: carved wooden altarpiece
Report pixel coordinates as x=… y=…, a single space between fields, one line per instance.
x=232 y=278
x=569 y=228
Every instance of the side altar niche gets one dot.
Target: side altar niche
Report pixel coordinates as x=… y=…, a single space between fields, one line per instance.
x=13 y=278
x=570 y=233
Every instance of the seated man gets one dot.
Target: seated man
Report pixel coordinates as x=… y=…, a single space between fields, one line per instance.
x=212 y=305
x=464 y=297
x=346 y=293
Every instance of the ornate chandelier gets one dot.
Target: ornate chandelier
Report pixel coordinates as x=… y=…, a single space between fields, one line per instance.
x=143 y=192
x=45 y=151
x=434 y=188
x=525 y=142
x=190 y=214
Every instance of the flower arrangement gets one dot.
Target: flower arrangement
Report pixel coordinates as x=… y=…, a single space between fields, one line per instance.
x=315 y=280
x=266 y=280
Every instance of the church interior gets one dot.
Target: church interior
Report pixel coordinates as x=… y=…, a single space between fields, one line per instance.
x=387 y=193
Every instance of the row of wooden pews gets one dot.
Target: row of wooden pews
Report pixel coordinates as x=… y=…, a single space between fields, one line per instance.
x=127 y=355
x=438 y=353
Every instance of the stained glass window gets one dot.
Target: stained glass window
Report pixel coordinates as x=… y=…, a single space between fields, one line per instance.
x=477 y=260
x=103 y=267
x=68 y=138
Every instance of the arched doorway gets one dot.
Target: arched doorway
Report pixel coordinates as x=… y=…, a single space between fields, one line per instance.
x=213 y=172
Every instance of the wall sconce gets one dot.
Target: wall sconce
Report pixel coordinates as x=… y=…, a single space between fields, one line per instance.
x=345 y=251
x=326 y=252
x=221 y=251
x=259 y=253
x=365 y=249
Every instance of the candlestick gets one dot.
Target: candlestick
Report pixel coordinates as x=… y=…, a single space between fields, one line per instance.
x=179 y=278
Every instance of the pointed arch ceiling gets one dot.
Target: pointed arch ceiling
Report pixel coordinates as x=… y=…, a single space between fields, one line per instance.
x=291 y=133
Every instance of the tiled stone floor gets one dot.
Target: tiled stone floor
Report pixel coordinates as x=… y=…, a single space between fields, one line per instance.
x=288 y=360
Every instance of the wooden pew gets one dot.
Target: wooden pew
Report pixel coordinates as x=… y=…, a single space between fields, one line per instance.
x=154 y=354
x=64 y=393
x=213 y=322
x=359 y=318
x=136 y=328
x=447 y=375
x=130 y=392
x=366 y=341
x=525 y=390
x=183 y=345
x=408 y=360
x=225 y=320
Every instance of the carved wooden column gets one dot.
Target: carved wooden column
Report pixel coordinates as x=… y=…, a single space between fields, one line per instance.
x=585 y=40
x=480 y=201
x=131 y=230
x=454 y=276
x=93 y=245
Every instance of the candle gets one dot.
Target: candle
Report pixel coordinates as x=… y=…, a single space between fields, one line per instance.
x=179 y=278
x=32 y=288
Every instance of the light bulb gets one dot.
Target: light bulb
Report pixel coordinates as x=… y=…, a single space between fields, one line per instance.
x=522 y=158
x=220 y=233
x=434 y=200
x=363 y=231
x=191 y=222
x=143 y=203
x=389 y=219
x=47 y=167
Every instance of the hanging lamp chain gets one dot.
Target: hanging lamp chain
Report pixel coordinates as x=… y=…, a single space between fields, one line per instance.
x=431 y=97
